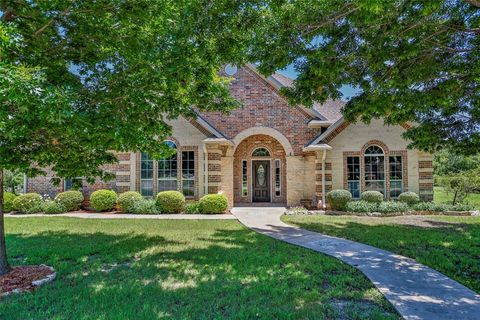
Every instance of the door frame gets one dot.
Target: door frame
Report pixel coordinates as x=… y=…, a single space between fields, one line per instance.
x=252 y=181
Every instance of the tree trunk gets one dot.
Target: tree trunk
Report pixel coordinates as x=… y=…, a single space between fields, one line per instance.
x=4 y=266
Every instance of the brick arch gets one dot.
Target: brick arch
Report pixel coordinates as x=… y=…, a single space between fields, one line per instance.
x=277 y=135
x=375 y=143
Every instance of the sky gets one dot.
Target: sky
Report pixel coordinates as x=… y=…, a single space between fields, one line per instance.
x=347 y=91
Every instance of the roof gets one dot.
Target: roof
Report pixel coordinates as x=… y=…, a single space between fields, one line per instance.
x=331 y=109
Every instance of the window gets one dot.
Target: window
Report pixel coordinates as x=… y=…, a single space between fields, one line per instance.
x=277 y=178
x=375 y=169
x=73 y=184
x=353 y=176
x=396 y=176
x=188 y=173
x=146 y=175
x=244 y=179
x=167 y=171
x=260 y=152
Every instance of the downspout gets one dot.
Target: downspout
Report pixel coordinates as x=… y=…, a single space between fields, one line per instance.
x=324 y=156
x=25 y=183
x=205 y=171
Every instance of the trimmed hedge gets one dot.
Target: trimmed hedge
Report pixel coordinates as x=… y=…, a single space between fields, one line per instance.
x=170 y=201
x=103 y=200
x=372 y=196
x=409 y=198
x=145 y=206
x=53 y=207
x=127 y=200
x=338 y=199
x=28 y=202
x=8 y=198
x=71 y=200
x=393 y=206
x=213 y=204
x=361 y=206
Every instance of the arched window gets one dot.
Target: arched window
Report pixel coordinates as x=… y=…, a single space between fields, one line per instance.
x=374 y=169
x=260 y=152
x=167 y=170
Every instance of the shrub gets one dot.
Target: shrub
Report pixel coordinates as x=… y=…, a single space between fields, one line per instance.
x=28 y=202
x=53 y=207
x=103 y=200
x=372 y=196
x=71 y=200
x=8 y=198
x=462 y=207
x=170 y=201
x=393 y=206
x=361 y=206
x=145 y=206
x=213 y=203
x=128 y=199
x=192 y=208
x=338 y=199
x=424 y=206
x=409 y=198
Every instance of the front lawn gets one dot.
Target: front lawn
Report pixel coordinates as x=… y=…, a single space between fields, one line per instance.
x=171 y=269
x=440 y=196
x=448 y=244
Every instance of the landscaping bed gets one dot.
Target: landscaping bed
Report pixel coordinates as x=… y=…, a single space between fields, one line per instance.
x=25 y=278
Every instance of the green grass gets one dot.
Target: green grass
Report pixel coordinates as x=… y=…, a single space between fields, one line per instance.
x=166 y=269
x=450 y=245
x=440 y=196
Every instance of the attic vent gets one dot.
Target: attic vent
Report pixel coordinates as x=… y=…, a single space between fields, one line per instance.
x=230 y=69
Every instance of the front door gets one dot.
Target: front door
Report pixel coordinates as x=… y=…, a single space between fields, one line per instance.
x=261 y=181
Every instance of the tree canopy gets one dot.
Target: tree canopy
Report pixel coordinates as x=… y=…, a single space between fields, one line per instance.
x=412 y=61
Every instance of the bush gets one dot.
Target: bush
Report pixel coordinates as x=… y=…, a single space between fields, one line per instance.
x=53 y=207
x=103 y=200
x=170 y=201
x=424 y=206
x=192 y=208
x=462 y=207
x=409 y=198
x=372 y=196
x=128 y=199
x=145 y=206
x=28 y=203
x=441 y=207
x=393 y=206
x=8 y=198
x=338 y=199
x=361 y=206
x=213 y=203
x=71 y=200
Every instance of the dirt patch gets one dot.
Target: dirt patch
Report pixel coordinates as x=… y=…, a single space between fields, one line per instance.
x=25 y=278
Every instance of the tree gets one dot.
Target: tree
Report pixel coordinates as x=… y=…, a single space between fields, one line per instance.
x=447 y=162
x=461 y=185
x=412 y=61
x=81 y=79
x=12 y=180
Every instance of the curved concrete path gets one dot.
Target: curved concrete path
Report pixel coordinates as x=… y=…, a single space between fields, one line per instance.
x=415 y=290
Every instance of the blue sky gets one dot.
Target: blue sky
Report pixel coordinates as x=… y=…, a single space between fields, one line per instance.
x=347 y=91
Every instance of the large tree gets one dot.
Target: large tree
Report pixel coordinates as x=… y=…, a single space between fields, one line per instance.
x=412 y=61
x=81 y=79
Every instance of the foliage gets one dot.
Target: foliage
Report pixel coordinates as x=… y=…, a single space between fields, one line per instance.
x=361 y=206
x=440 y=196
x=26 y=203
x=461 y=185
x=146 y=206
x=192 y=208
x=338 y=198
x=8 y=198
x=409 y=197
x=410 y=61
x=170 y=201
x=127 y=200
x=53 y=207
x=372 y=196
x=12 y=180
x=393 y=206
x=103 y=200
x=441 y=207
x=448 y=162
x=70 y=200
x=213 y=203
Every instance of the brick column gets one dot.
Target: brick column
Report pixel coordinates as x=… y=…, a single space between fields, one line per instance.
x=214 y=155
x=319 y=171
x=425 y=176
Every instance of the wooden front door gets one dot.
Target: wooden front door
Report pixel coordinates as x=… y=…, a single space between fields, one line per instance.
x=261 y=181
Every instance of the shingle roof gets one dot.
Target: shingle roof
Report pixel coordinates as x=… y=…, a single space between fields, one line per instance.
x=330 y=109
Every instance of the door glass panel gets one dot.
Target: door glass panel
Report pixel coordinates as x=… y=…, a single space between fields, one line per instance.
x=261 y=175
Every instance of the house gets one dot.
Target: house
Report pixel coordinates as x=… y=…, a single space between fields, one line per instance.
x=269 y=152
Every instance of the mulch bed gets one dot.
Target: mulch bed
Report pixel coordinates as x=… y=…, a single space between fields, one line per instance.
x=22 y=278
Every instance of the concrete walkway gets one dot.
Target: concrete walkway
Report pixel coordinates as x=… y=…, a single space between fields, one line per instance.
x=84 y=215
x=415 y=290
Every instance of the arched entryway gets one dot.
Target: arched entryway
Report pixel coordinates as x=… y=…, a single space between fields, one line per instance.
x=259 y=170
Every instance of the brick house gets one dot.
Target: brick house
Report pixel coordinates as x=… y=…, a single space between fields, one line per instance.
x=267 y=151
